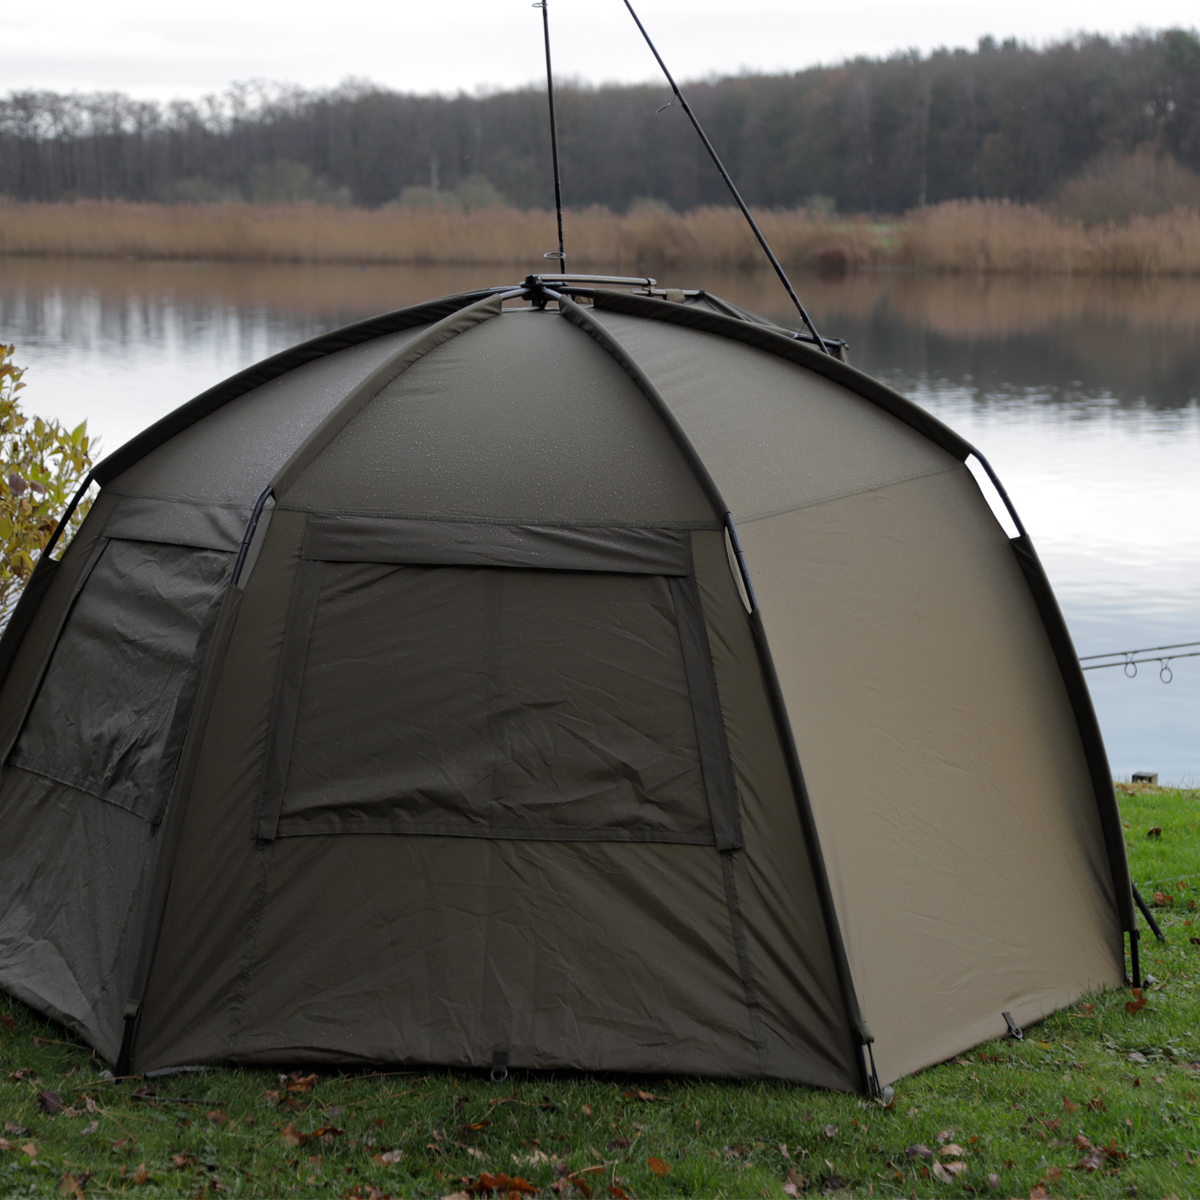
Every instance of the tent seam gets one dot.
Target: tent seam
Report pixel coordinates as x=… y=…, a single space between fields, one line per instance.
x=851 y=492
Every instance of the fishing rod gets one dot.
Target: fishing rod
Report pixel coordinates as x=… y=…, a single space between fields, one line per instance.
x=1126 y=659
x=758 y=233
x=561 y=253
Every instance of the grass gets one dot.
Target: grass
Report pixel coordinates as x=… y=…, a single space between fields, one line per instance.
x=991 y=237
x=1096 y=1101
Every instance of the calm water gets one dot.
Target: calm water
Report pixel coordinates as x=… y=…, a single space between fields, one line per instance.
x=1085 y=396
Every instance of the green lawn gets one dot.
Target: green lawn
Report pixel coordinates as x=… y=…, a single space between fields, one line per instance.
x=1096 y=1101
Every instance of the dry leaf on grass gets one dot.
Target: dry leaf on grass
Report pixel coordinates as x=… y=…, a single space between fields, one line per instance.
x=50 y=1102
x=920 y=1150
x=292 y=1135
x=183 y=1161
x=141 y=1175
x=30 y=1148
x=795 y=1185
x=659 y=1167
x=9 y=1022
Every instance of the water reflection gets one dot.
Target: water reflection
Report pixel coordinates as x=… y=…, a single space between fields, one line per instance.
x=1085 y=395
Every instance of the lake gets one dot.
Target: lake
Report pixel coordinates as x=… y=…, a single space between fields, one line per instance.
x=1083 y=394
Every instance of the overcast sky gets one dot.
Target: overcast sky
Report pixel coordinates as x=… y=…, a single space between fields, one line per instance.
x=151 y=48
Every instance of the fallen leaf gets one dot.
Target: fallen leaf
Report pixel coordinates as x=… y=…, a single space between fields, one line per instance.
x=1163 y=899
x=831 y=1131
x=5 y=1144
x=617 y=1192
x=297 y=1082
x=73 y=1185
x=954 y=1167
x=15 y=1128
x=1086 y=1008
x=292 y=1135
x=993 y=1181
x=952 y=1150
x=586 y=1110
x=945 y=1135
x=1096 y=1104
x=1043 y=1045
x=639 y=1095
x=22 y=1073
x=30 y=1148
x=620 y=1144
x=217 y=1117
x=920 y=1150
x=1052 y=1175
x=795 y=1185
x=141 y=1175
x=658 y=1166
x=389 y=1157
x=941 y=1174
x=145 y=1091
x=9 y=1022
x=271 y=1097
x=183 y=1161
x=1037 y=1192
x=1070 y=1105
x=534 y=1159
x=50 y=1102
x=1156 y=831
x=1092 y=1161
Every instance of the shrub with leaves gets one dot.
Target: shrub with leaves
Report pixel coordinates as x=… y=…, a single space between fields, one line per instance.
x=42 y=464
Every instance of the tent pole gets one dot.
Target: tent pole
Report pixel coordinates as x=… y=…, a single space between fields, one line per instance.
x=1137 y=897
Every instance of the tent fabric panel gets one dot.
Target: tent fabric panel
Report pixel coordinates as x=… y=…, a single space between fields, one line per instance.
x=27 y=644
x=196 y=963
x=73 y=877
x=588 y=956
x=645 y=550
x=206 y=527
x=112 y=709
x=944 y=765
x=504 y=703
x=523 y=419
x=797 y=350
x=229 y=455
x=775 y=435
x=807 y=1034
x=269 y=369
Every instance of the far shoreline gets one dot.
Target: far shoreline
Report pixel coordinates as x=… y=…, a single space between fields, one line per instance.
x=959 y=237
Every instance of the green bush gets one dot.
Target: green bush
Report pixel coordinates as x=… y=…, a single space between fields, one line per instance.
x=42 y=464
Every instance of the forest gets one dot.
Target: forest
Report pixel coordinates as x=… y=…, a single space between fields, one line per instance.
x=1003 y=121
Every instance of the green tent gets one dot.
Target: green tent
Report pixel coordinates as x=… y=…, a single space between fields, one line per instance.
x=616 y=683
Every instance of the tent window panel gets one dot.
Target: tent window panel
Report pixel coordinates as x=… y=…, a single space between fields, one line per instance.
x=494 y=702
x=112 y=708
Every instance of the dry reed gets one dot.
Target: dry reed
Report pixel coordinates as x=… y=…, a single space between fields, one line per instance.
x=976 y=236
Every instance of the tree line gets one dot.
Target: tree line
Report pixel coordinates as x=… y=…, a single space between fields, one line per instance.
x=1005 y=120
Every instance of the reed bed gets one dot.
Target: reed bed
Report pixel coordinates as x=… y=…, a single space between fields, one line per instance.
x=992 y=237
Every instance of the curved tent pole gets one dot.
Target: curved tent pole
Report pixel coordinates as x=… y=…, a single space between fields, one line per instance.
x=861 y=1030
